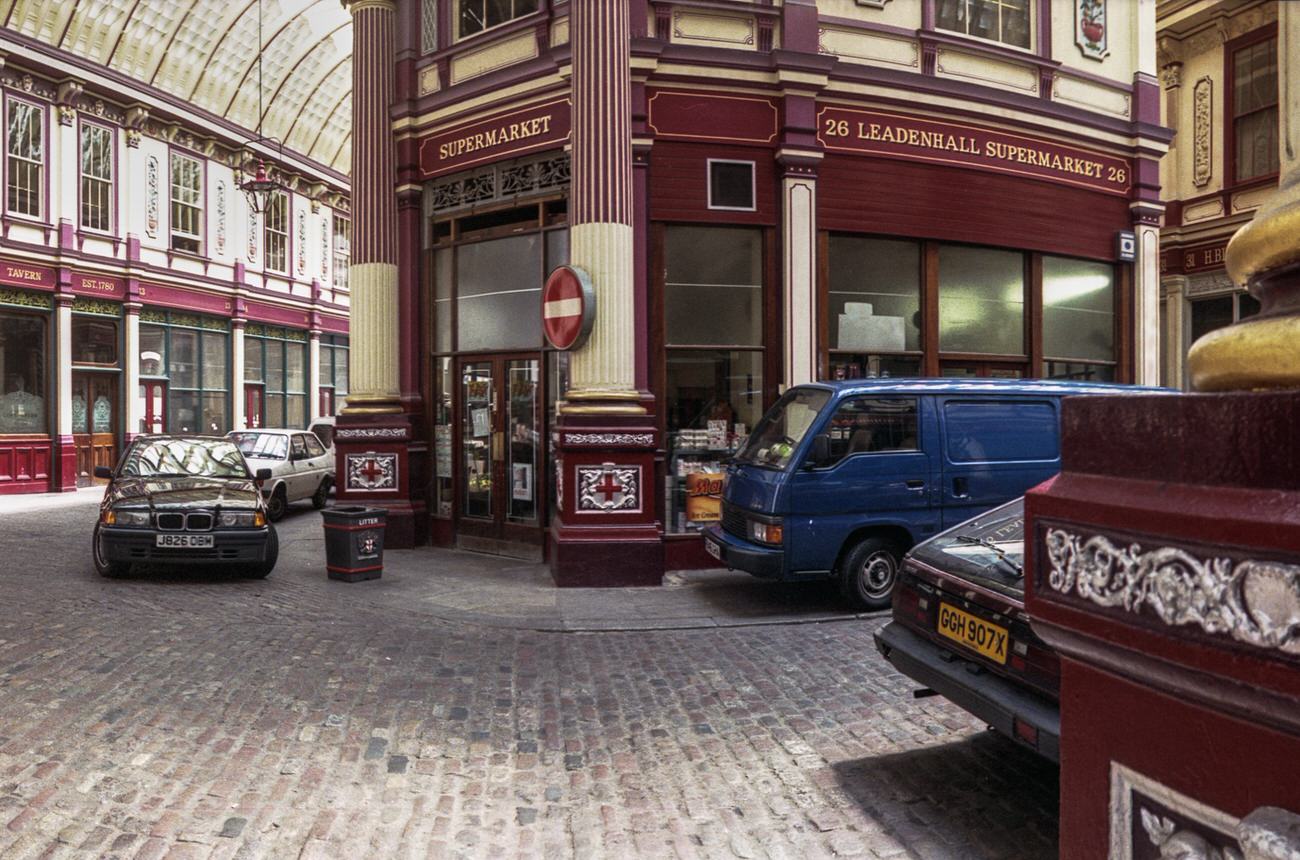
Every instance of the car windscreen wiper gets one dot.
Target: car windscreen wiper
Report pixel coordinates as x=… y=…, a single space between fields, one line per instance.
x=1001 y=553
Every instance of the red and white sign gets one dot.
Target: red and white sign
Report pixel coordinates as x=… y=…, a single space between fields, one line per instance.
x=568 y=307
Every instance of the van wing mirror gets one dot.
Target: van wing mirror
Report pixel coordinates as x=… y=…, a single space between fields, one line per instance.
x=819 y=452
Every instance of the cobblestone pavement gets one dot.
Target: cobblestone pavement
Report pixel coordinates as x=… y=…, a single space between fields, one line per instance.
x=189 y=714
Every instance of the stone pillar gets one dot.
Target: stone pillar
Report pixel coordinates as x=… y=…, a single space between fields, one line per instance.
x=237 y=401
x=605 y=530
x=131 y=373
x=1175 y=321
x=376 y=432
x=1146 y=299
x=799 y=269
x=313 y=375
x=65 y=470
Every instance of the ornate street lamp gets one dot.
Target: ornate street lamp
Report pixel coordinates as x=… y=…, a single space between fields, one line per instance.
x=261 y=188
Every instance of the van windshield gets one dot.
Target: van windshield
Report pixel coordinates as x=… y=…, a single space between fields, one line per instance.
x=783 y=427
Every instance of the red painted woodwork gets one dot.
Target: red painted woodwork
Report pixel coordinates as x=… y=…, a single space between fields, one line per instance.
x=507 y=134
x=25 y=464
x=899 y=198
x=1209 y=715
x=679 y=184
x=715 y=117
x=408 y=520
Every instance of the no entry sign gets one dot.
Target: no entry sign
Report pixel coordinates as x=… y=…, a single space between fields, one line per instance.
x=568 y=307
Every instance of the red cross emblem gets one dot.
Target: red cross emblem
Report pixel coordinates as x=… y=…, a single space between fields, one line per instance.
x=371 y=471
x=609 y=487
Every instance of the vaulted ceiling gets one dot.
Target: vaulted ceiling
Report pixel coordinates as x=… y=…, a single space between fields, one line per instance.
x=205 y=52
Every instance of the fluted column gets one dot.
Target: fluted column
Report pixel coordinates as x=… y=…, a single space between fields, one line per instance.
x=373 y=371
x=603 y=371
x=238 y=402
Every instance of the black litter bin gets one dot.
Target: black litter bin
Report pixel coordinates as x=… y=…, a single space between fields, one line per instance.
x=354 y=542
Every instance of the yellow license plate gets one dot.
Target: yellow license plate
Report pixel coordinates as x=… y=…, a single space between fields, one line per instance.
x=976 y=634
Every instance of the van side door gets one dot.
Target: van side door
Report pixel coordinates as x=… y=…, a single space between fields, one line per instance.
x=878 y=472
x=994 y=449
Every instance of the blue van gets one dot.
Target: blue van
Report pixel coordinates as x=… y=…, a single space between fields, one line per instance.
x=839 y=479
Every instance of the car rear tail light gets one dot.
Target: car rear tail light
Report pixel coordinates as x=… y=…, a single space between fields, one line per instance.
x=1026 y=732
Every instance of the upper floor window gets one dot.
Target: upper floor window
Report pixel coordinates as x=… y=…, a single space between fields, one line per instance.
x=1254 y=110
x=276 y=231
x=187 y=203
x=478 y=15
x=1005 y=21
x=342 y=251
x=96 y=177
x=25 y=145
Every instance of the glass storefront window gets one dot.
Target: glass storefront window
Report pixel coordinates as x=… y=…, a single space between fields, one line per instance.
x=442 y=297
x=22 y=373
x=153 y=349
x=874 y=301
x=718 y=270
x=281 y=355
x=252 y=360
x=183 y=358
x=498 y=293
x=442 y=437
x=214 y=360
x=1078 y=309
x=94 y=340
x=858 y=366
x=195 y=364
x=981 y=300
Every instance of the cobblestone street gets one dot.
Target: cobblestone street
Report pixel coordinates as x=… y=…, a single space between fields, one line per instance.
x=190 y=714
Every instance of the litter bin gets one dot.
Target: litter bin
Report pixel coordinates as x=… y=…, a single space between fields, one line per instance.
x=354 y=542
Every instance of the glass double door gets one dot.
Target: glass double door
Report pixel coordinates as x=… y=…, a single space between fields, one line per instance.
x=501 y=455
x=94 y=422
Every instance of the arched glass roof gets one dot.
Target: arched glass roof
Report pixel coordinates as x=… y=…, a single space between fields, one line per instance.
x=205 y=52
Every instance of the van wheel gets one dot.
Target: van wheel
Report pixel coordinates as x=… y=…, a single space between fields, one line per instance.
x=277 y=504
x=868 y=573
x=322 y=494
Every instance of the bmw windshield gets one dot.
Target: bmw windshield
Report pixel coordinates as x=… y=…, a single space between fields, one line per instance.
x=779 y=432
x=170 y=457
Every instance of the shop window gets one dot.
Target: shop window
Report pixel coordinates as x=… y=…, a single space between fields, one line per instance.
x=428 y=26
x=25 y=146
x=94 y=340
x=1219 y=312
x=476 y=16
x=187 y=357
x=1078 y=319
x=1254 y=110
x=96 y=177
x=981 y=301
x=187 y=203
x=443 y=282
x=872 y=425
x=23 y=371
x=333 y=373
x=442 y=437
x=713 y=286
x=280 y=356
x=731 y=185
x=874 y=307
x=276 y=232
x=498 y=292
x=1004 y=21
x=342 y=251
x=153 y=347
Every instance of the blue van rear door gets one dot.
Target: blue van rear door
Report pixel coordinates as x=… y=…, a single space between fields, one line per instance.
x=879 y=473
x=994 y=449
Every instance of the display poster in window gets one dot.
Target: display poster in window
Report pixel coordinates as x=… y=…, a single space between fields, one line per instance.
x=442 y=450
x=482 y=421
x=521 y=485
x=704 y=497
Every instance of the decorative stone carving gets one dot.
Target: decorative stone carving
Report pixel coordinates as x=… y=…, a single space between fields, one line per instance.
x=221 y=217
x=252 y=237
x=1252 y=601
x=302 y=243
x=643 y=440
x=151 y=197
x=371 y=472
x=495 y=182
x=609 y=488
x=1172 y=75
x=1090 y=28
x=1202 y=129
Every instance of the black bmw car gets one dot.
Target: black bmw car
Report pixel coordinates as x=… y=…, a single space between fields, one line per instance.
x=183 y=500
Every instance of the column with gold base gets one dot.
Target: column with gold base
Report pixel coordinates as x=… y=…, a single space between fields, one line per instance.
x=374 y=432
x=605 y=531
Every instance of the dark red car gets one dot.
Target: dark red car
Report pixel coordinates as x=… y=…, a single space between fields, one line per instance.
x=959 y=628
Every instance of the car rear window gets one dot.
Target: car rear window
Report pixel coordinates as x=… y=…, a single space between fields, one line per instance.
x=264 y=446
x=1000 y=430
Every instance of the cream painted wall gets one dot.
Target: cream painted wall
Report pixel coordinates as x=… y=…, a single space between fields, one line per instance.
x=896 y=13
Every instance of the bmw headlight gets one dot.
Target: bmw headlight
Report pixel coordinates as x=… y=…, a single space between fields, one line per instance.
x=127 y=519
x=241 y=519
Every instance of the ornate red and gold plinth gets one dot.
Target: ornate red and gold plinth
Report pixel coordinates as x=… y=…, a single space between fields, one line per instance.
x=376 y=464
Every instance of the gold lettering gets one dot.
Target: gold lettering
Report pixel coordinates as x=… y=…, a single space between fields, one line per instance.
x=495 y=136
x=22 y=274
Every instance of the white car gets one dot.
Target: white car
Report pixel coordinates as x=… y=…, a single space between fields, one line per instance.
x=301 y=467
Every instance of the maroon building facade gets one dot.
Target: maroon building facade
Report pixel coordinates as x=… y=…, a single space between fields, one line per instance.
x=794 y=210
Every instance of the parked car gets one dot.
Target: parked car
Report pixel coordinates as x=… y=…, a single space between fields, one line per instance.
x=183 y=500
x=959 y=628
x=300 y=466
x=324 y=429
x=839 y=479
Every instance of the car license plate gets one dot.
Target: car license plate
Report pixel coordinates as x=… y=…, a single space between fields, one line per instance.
x=185 y=541
x=974 y=633
x=712 y=548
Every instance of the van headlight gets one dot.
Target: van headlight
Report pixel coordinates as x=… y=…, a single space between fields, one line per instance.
x=127 y=519
x=768 y=533
x=241 y=519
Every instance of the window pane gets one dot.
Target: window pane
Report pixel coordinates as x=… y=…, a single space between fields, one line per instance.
x=557 y=248
x=215 y=416
x=977 y=431
x=983 y=20
x=296 y=405
x=25 y=144
x=94 y=341
x=845 y=366
x=274 y=411
x=1015 y=23
x=875 y=294
x=274 y=368
x=184 y=412
x=340 y=371
x=214 y=360
x=713 y=291
x=1247 y=306
x=523 y=437
x=499 y=294
x=442 y=269
x=1078 y=371
x=872 y=426
x=153 y=341
x=1078 y=309
x=731 y=185
x=1257 y=146
x=498 y=12
x=981 y=300
x=950 y=15
x=22 y=373
x=1210 y=314
x=296 y=366
x=183 y=362
x=471 y=16
x=252 y=359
